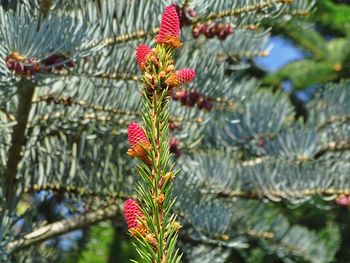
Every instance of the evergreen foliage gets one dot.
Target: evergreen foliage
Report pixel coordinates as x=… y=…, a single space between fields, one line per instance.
x=252 y=176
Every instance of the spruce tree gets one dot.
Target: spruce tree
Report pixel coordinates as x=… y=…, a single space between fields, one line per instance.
x=223 y=165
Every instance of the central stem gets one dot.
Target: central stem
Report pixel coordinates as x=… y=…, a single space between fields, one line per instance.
x=156 y=173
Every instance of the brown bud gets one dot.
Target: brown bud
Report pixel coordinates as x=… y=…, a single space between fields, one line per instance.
x=252 y=27
x=148 y=76
x=169 y=177
x=170 y=68
x=151 y=239
x=161 y=198
x=224 y=237
x=139 y=230
x=162 y=74
x=176 y=225
x=154 y=60
x=172 y=81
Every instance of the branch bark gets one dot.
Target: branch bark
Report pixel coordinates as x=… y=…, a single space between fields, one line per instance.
x=62 y=227
x=25 y=96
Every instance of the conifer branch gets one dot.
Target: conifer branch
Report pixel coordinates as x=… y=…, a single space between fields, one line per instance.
x=125 y=76
x=8 y=115
x=77 y=191
x=259 y=234
x=61 y=227
x=243 y=10
x=150 y=219
x=338 y=146
x=335 y=146
x=333 y=119
x=212 y=16
x=25 y=95
x=110 y=76
x=69 y=101
x=298 y=12
x=252 y=194
x=84 y=117
x=246 y=54
x=128 y=37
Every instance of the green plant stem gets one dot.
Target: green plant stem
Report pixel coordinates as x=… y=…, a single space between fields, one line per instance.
x=158 y=220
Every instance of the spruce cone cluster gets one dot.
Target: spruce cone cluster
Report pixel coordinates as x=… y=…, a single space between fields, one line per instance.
x=22 y=66
x=161 y=79
x=192 y=98
x=57 y=61
x=27 y=67
x=158 y=66
x=213 y=29
x=185 y=16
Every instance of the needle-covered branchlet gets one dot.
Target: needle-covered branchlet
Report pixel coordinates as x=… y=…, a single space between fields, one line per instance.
x=150 y=218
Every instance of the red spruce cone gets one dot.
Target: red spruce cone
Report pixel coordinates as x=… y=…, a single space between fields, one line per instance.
x=136 y=134
x=142 y=52
x=185 y=75
x=131 y=213
x=169 y=32
x=139 y=143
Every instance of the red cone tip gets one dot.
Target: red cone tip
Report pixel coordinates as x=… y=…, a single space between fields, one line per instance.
x=170 y=24
x=141 y=53
x=343 y=200
x=185 y=75
x=131 y=213
x=135 y=134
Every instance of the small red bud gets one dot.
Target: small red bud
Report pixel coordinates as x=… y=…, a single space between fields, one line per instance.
x=193 y=97
x=204 y=104
x=195 y=32
x=19 y=68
